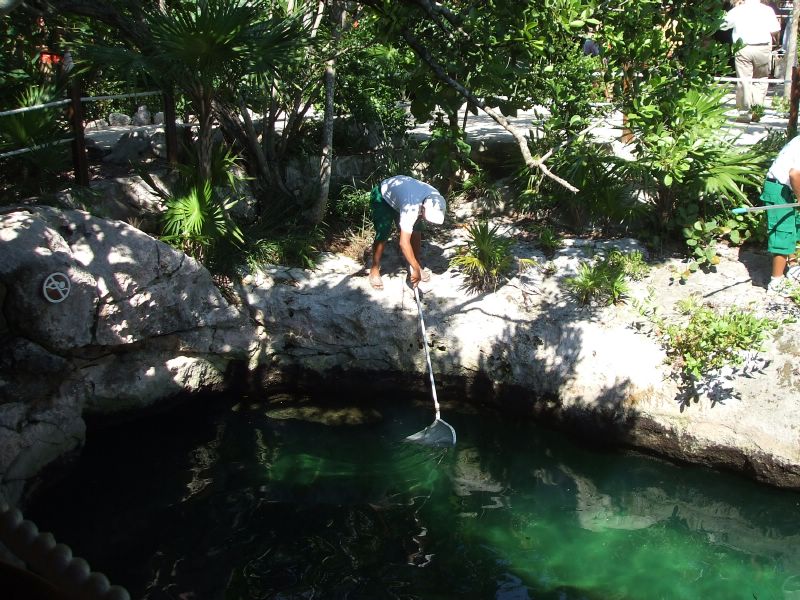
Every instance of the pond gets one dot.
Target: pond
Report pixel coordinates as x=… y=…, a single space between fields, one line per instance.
x=246 y=500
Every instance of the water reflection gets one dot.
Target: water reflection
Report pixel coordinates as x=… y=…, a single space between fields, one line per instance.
x=317 y=502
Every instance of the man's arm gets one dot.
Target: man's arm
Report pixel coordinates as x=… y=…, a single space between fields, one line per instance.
x=408 y=253
x=794 y=182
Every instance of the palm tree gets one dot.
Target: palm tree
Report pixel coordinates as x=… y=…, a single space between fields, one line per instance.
x=206 y=48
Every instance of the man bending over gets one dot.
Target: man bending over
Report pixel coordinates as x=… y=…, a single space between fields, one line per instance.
x=407 y=202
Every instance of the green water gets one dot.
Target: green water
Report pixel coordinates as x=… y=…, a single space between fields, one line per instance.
x=219 y=502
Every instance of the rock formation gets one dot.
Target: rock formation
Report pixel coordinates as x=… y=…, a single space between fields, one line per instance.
x=141 y=322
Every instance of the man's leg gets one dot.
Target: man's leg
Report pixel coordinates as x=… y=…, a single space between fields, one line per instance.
x=781 y=233
x=760 y=57
x=778 y=265
x=744 y=70
x=375 y=269
x=382 y=218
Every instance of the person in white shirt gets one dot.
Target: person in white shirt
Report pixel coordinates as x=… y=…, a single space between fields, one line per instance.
x=406 y=202
x=755 y=25
x=782 y=186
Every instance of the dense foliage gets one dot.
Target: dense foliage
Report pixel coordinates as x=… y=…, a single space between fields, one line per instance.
x=292 y=84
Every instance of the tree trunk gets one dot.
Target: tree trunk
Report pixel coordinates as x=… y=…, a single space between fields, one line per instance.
x=204 y=137
x=790 y=58
x=317 y=211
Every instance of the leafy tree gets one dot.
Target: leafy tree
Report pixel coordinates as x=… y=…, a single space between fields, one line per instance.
x=498 y=56
x=206 y=48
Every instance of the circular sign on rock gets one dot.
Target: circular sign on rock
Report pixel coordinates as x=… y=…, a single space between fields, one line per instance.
x=56 y=287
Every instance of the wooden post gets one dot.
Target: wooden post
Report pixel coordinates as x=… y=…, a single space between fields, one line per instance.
x=170 y=129
x=794 y=99
x=79 y=161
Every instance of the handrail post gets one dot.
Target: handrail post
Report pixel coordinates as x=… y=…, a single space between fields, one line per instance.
x=170 y=128
x=79 y=160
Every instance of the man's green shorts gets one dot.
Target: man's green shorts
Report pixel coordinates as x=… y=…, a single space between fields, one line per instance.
x=384 y=215
x=783 y=224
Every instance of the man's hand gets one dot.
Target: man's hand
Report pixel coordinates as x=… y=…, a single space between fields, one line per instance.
x=415 y=275
x=414 y=269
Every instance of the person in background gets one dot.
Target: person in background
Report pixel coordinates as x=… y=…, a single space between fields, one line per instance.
x=782 y=186
x=756 y=26
x=590 y=47
x=407 y=202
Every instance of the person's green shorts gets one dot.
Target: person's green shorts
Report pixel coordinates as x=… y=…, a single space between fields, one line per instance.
x=384 y=215
x=783 y=224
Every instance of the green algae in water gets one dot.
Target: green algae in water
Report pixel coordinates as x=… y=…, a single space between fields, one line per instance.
x=238 y=505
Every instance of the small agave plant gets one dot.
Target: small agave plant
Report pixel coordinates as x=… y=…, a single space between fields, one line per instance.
x=486 y=259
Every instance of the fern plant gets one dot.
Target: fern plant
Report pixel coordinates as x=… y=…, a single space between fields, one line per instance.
x=486 y=260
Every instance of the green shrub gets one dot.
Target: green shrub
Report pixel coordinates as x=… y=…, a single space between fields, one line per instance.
x=486 y=260
x=38 y=169
x=292 y=246
x=606 y=281
x=709 y=340
x=683 y=161
x=351 y=206
x=547 y=239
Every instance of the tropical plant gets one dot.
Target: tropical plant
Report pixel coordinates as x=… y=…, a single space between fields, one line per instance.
x=781 y=105
x=37 y=134
x=197 y=222
x=598 y=282
x=292 y=245
x=351 y=205
x=708 y=339
x=447 y=151
x=547 y=239
x=207 y=48
x=486 y=259
x=477 y=186
x=604 y=281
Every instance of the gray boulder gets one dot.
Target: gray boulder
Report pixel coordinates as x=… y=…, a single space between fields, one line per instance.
x=142 y=117
x=137 y=322
x=130 y=147
x=116 y=119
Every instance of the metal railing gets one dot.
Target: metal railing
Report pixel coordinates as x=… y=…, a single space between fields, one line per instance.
x=75 y=115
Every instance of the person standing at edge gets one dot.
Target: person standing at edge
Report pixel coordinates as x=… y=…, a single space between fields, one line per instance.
x=408 y=202
x=783 y=224
x=755 y=25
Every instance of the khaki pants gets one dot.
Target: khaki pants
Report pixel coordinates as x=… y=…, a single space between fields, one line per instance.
x=752 y=62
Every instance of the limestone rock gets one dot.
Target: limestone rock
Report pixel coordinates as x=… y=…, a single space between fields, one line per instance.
x=142 y=117
x=97 y=124
x=130 y=147
x=116 y=119
x=141 y=322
